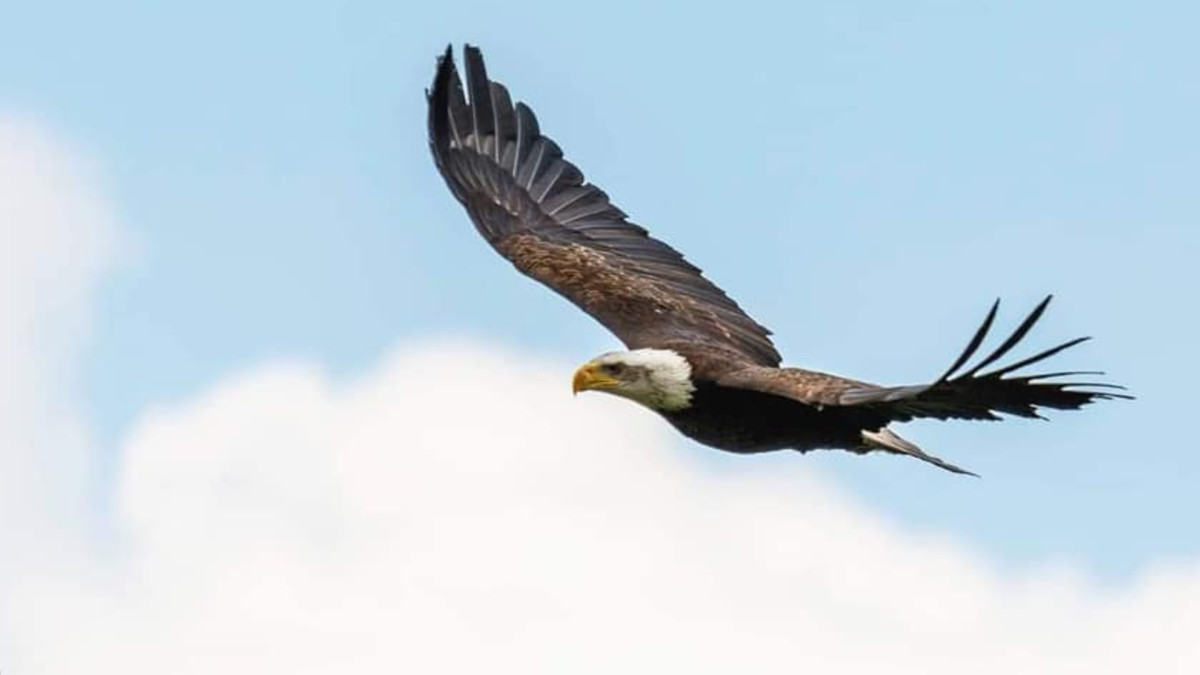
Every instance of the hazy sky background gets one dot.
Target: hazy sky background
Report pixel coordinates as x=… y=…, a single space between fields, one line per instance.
x=864 y=178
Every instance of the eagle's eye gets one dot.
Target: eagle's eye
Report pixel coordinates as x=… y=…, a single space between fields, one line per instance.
x=615 y=369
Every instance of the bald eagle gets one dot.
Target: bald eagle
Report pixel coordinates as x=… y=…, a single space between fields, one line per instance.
x=694 y=356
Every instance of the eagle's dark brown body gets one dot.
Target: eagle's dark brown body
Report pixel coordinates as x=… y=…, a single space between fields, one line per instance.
x=737 y=420
x=535 y=209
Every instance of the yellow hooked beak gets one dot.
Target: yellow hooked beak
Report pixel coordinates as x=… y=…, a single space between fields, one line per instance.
x=589 y=376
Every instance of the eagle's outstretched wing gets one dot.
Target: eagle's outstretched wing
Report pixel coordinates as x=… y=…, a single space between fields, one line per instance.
x=535 y=209
x=971 y=394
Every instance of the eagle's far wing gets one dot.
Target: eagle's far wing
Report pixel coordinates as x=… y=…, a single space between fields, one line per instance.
x=535 y=209
x=970 y=395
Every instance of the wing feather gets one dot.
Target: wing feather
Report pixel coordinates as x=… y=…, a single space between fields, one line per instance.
x=536 y=209
x=973 y=395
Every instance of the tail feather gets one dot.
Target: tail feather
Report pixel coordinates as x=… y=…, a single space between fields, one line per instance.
x=886 y=439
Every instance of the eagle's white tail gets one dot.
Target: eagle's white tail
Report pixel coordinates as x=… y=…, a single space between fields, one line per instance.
x=886 y=439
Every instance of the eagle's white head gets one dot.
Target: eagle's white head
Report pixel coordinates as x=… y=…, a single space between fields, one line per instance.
x=659 y=379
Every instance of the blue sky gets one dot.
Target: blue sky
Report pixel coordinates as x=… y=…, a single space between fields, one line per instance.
x=864 y=178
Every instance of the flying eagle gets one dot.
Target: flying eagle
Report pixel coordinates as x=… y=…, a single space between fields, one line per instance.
x=694 y=356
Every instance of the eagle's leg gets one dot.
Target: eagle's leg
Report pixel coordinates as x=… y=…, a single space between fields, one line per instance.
x=887 y=440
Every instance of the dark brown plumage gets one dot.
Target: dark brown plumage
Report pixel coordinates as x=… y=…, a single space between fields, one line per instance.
x=728 y=391
x=535 y=209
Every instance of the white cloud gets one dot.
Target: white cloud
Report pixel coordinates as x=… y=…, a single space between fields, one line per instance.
x=56 y=239
x=455 y=510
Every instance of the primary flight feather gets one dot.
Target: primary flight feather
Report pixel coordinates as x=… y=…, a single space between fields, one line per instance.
x=695 y=357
